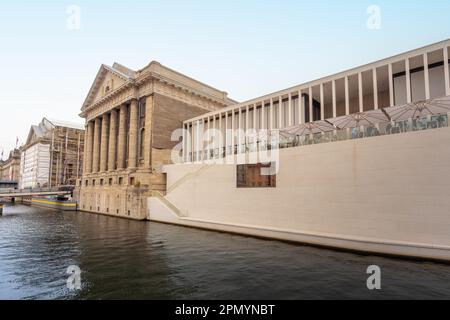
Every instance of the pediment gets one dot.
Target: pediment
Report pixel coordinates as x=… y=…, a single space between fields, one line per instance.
x=107 y=80
x=32 y=135
x=40 y=131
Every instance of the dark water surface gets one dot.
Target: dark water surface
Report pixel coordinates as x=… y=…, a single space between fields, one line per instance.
x=123 y=259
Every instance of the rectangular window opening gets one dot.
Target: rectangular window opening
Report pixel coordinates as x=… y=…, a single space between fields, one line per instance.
x=256 y=176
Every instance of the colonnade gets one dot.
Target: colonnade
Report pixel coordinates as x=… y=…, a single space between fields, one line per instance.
x=112 y=139
x=379 y=85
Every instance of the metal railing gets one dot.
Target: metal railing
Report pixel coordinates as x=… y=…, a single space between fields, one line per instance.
x=60 y=191
x=53 y=189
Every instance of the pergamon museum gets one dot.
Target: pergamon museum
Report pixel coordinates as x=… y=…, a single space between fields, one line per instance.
x=223 y=159
x=130 y=116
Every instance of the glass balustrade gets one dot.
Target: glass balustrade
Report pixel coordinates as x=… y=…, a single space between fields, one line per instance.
x=382 y=129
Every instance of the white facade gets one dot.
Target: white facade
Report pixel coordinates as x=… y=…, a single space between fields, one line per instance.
x=35 y=166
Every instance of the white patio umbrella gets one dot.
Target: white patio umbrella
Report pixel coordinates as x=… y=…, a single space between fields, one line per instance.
x=355 y=120
x=308 y=128
x=419 y=109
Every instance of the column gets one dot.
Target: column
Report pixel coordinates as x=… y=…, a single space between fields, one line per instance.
x=89 y=147
x=188 y=143
x=375 y=89
x=254 y=118
x=311 y=110
x=226 y=134
x=233 y=131
x=247 y=118
x=347 y=97
x=133 y=142
x=97 y=141
x=290 y=111
x=391 y=86
x=302 y=103
x=192 y=142
x=183 y=139
x=193 y=132
x=85 y=148
x=148 y=132
x=112 y=141
x=220 y=139
x=203 y=137
x=86 y=141
x=241 y=127
x=280 y=113
x=427 y=76
x=208 y=138
x=271 y=114
x=322 y=102
x=333 y=84
x=214 y=136
x=104 y=143
x=197 y=142
x=247 y=122
x=299 y=114
x=264 y=117
x=193 y=136
x=360 y=93
x=408 y=81
x=121 y=145
x=446 y=72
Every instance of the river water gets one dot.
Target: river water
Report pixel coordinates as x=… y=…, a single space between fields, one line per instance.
x=122 y=259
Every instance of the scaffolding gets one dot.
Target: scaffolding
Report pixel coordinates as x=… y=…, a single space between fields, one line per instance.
x=53 y=155
x=66 y=156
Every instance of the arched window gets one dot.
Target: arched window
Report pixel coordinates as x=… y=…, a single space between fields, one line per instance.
x=141 y=144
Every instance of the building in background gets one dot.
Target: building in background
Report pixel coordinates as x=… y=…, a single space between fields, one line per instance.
x=10 y=168
x=130 y=117
x=52 y=155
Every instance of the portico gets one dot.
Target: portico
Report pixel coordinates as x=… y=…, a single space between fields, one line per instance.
x=130 y=116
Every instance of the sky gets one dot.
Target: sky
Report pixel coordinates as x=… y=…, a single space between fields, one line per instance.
x=51 y=51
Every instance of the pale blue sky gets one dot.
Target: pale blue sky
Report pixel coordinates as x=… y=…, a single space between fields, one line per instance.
x=245 y=47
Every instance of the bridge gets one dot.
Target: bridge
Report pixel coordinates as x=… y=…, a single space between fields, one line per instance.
x=14 y=193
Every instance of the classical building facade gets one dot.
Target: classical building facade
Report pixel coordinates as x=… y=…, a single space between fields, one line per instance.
x=10 y=168
x=130 y=117
x=52 y=155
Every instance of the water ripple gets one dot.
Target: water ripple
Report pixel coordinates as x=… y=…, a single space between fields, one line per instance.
x=123 y=259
